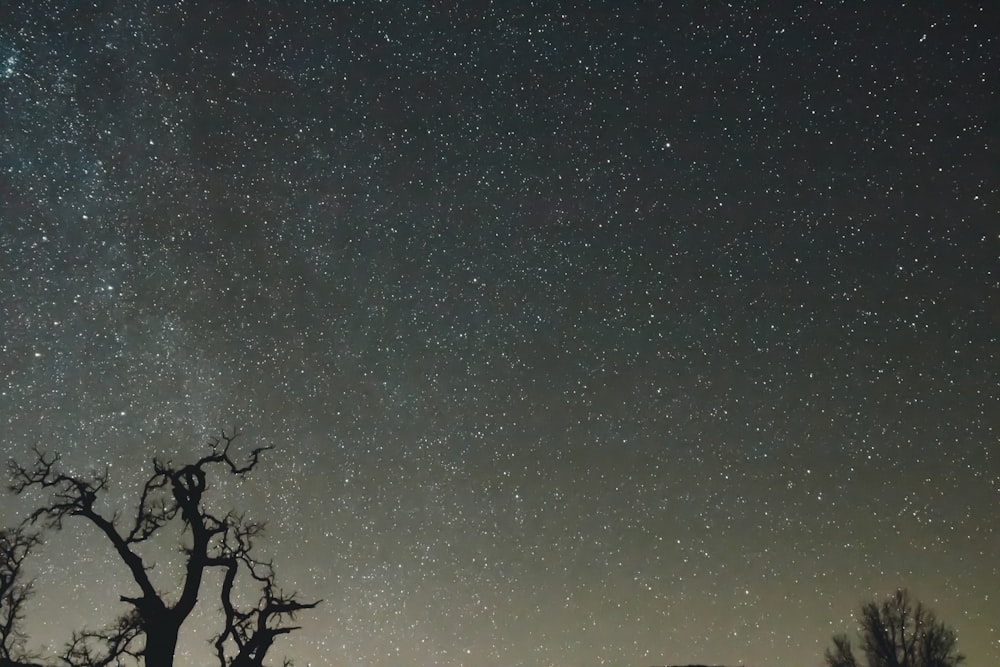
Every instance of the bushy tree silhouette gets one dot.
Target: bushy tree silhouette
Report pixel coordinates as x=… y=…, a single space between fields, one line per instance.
x=148 y=631
x=898 y=633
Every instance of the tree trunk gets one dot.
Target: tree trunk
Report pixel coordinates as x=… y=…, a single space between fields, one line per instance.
x=161 y=642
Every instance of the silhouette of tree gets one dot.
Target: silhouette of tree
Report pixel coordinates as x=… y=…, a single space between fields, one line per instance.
x=898 y=633
x=252 y=631
x=15 y=545
x=150 y=628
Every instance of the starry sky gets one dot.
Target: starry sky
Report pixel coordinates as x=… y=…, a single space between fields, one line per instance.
x=587 y=334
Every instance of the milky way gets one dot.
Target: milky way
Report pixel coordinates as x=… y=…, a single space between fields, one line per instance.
x=626 y=335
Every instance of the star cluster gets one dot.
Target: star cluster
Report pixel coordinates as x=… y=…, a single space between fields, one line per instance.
x=623 y=334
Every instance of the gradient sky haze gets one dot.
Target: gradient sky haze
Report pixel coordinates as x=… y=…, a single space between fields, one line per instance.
x=587 y=334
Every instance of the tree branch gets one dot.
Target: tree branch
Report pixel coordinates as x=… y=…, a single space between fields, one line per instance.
x=254 y=630
x=15 y=546
x=100 y=648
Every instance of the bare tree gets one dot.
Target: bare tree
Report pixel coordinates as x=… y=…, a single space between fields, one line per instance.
x=251 y=632
x=170 y=493
x=898 y=633
x=15 y=545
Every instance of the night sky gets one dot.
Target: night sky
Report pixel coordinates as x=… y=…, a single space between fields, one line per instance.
x=586 y=333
